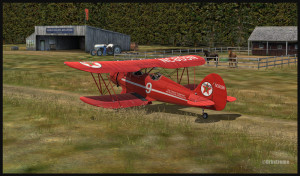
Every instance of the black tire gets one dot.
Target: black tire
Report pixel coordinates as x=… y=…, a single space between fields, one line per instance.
x=205 y=115
x=117 y=49
x=109 y=51
x=93 y=52
x=99 y=52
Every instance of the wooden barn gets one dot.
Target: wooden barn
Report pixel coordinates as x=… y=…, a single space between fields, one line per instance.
x=273 y=40
x=74 y=37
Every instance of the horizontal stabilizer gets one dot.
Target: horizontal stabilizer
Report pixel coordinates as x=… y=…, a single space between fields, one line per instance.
x=230 y=99
x=116 y=101
x=196 y=100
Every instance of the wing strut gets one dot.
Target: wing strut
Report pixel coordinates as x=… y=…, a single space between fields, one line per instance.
x=187 y=74
x=109 y=82
x=181 y=75
x=177 y=74
x=150 y=70
x=100 y=85
x=106 y=86
x=194 y=77
x=100 y=90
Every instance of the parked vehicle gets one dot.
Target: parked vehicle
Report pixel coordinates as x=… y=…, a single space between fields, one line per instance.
x=104 y=49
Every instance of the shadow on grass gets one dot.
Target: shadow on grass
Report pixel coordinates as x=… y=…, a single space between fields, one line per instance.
x=175 y=109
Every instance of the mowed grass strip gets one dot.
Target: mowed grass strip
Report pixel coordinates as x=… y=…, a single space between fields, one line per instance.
x=45 y=132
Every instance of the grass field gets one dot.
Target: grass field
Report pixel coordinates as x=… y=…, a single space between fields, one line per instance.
x=46 y=128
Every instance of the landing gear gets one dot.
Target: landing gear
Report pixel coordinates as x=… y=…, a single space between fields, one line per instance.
x=204 y=116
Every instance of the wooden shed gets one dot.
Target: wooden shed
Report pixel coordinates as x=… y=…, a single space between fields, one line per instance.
x=74 y=37
x=273 y=40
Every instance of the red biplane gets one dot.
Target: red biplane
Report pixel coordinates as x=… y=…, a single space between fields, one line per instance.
x=140 y=87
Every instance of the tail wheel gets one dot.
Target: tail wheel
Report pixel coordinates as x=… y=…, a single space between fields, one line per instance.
x=205 y=115
x=99 y=52
x=117 y=49
x=93 y=52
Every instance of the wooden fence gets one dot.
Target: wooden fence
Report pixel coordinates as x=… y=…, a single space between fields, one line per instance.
x=255 y=63
x=177 y=52
x=277 y=60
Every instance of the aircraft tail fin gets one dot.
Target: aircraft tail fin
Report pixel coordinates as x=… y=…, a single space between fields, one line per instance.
x=213 y=88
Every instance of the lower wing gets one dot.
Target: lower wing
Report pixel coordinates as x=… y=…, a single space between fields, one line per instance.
x=116 y=101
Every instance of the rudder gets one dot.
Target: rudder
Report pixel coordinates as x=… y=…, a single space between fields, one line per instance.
x=213 y=88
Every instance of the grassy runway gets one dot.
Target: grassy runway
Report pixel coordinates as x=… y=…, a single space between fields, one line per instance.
x=46 y=128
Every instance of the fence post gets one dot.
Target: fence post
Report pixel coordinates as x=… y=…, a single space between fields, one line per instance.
x=221 y=49
x=281 y=61
x=274 y=61
x=267 y=63
x=288 y=60
x=257 y=63
x=172 y=52
x=188 y=51
x=180 y=51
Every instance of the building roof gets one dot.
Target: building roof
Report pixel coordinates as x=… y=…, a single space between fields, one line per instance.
x=274 y=33
x=78 y=29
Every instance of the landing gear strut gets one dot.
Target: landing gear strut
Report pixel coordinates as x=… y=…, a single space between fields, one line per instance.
x=204 y=115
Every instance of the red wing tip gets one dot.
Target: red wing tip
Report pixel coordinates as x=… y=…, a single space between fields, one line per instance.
x=230 y=99
x=67 y=63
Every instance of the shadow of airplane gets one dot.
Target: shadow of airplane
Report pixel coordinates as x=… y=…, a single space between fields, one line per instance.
x=175 y=109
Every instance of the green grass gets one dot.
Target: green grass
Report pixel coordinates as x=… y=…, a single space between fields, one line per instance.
x=47 y=129
x=57 y=137
x=256 y=90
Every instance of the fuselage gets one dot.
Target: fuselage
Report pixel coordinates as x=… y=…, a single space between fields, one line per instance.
x=161 y=89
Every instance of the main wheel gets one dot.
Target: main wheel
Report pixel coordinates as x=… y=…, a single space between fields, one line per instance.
x=205 y=115
x=99 y=52
x=93 y=52
x=117 y=49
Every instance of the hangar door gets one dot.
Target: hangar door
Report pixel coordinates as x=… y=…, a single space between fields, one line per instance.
x=60 y=42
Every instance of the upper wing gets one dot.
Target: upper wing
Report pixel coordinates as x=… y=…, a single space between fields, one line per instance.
x=116 y=101
x=135 y=65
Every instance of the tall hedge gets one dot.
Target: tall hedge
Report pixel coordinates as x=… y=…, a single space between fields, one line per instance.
x=177 y=24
